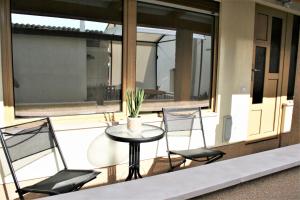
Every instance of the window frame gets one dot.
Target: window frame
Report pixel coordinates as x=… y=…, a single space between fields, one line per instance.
x=128 y=54
x=198 y=8
x=9 y=67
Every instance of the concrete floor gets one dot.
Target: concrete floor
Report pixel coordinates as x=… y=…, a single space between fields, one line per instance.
x=284 y=185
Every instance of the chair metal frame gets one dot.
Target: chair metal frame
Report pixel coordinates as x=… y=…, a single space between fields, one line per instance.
x=10 y=162
x=207 y=159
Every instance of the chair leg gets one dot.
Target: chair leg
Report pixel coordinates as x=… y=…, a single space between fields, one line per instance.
x=78 y=188
x=170 y=162
x=214 y=158
x=175 y=166
x=81 y=185
x=21 y=195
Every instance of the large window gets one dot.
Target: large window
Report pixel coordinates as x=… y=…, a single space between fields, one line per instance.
x=67 y=56
x=174 y=56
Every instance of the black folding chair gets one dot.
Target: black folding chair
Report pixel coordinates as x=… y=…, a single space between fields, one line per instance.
x=34 y=138
x=179 y=120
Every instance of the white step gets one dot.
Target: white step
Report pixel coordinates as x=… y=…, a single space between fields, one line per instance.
x=196 y=181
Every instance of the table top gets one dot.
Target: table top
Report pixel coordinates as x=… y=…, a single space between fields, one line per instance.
x=148 y=133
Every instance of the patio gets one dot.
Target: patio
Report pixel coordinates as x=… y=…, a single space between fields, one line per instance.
x=74 y=60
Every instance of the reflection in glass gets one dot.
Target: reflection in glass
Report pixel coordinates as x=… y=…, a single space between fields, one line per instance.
x=259 y=74
x=174 y=53
x=275 y=45
x=67 y=65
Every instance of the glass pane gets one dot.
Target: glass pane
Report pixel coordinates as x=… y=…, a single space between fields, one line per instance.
x=293 y=61
x=259 y=72
x=174 y=54
x=275 y=45
x=261 y=26
x=64 y=62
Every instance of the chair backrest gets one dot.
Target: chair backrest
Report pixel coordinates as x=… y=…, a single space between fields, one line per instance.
x=27 y=139
x=183 y=119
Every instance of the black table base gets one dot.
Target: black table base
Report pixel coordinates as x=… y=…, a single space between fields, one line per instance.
x=134 y=161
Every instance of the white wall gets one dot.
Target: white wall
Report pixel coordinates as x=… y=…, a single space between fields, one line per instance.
x=166 y=63
x=206 y=66
x=205 y=58
x=85 y=146
x=97 y=69
x=196 y=62
x=117 y=64
x=49 y=69
x=97 y=64
x=235 y=63
x=145 y=65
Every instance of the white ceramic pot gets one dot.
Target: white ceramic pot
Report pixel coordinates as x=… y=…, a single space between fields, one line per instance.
x=134 y=124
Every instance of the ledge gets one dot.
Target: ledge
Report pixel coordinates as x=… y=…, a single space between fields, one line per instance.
x=193 y=182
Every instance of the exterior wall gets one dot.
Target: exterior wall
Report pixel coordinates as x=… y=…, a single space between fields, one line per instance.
x=29 y=62
x=85 y=146
x=1 y=89
x=293 y=136
x=235 y=63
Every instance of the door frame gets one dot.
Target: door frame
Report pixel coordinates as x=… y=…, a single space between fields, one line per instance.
x=284 y=52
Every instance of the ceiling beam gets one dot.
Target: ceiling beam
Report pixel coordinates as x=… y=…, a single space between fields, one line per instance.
x=67 y=10
x=156 y=21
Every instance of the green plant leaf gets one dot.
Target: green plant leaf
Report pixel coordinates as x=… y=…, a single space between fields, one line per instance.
x=134 y=101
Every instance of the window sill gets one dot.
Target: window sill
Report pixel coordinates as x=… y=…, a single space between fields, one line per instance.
x=65 y=109
x=158 y=105
x=261 y=139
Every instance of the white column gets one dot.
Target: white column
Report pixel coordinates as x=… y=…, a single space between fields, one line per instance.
x=234 y=70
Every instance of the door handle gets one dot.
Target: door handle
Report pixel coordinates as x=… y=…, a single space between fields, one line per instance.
x=253 y=72
x=256 y=70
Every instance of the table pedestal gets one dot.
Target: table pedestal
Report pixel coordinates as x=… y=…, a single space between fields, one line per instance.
x=134 y=161
x=148 y=133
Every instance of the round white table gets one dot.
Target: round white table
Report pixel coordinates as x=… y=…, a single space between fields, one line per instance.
x=148 y=133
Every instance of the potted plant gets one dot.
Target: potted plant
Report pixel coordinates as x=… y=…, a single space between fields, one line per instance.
x=134 y=103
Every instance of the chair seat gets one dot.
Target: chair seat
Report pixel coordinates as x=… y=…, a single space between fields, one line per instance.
x=62 y=182
x=198 y=153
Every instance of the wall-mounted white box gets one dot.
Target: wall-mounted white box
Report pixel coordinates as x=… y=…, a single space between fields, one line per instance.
x=287 y=114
